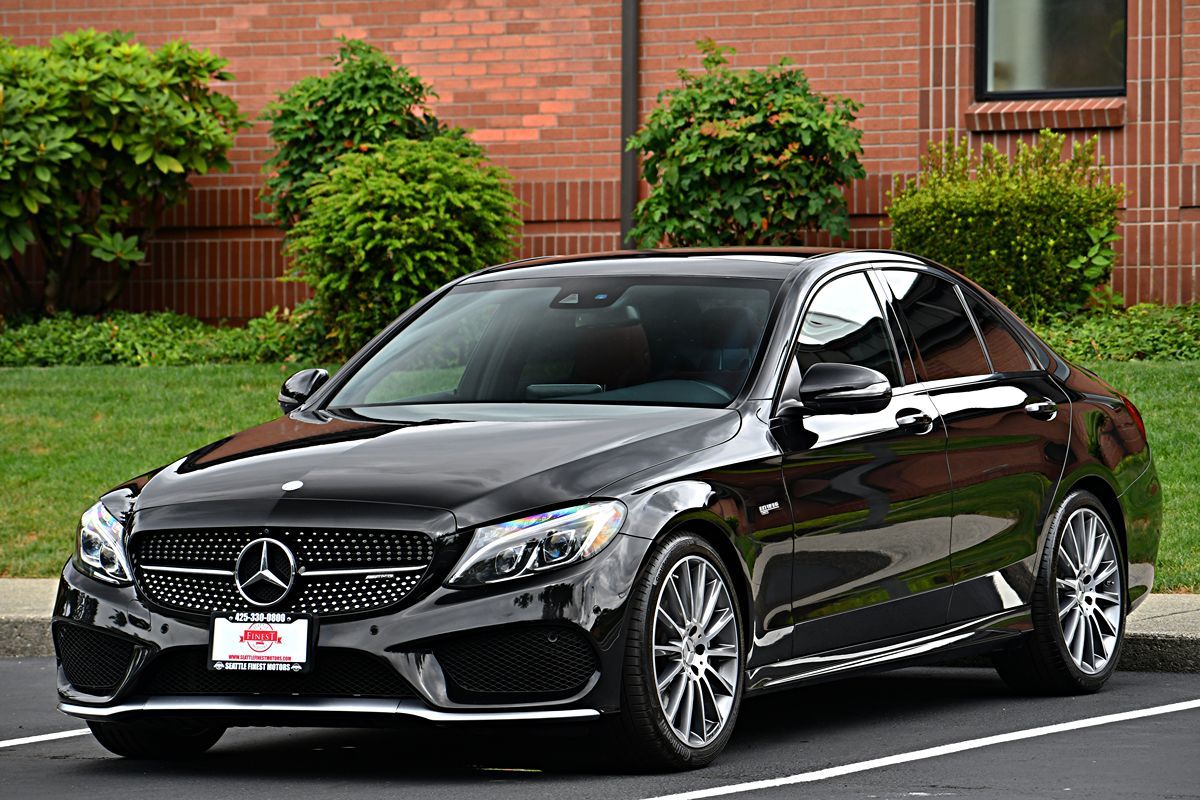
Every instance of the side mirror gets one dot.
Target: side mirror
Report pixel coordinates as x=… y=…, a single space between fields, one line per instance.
x=300 y=387
x=829 y=388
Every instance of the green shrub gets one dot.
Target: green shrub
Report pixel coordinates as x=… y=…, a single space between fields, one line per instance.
x=1035 y=230
x=365 y=100
x=1145 y=332
x=159 y=339
x=97 y=135
x=745 y=158
x=388 y=226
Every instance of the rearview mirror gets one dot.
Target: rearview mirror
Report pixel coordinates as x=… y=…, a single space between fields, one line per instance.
x=843 y=389
x=298 y=388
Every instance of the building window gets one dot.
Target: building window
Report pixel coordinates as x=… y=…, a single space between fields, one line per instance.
x=1049 y=48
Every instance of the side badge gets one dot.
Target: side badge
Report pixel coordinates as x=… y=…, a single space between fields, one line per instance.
x=768 y=508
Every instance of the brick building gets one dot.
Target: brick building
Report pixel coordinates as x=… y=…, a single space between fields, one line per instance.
x=540 y=82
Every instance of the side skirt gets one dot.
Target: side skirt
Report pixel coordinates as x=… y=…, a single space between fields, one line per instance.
x=985 y=633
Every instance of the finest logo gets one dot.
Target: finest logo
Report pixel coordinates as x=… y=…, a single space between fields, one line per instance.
x=260 y=636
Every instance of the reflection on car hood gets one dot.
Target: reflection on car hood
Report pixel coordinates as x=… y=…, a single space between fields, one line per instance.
x=480 y=462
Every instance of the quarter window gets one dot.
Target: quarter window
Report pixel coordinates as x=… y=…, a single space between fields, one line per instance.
x=938 y=323
x=1005 y=351
x=844 y=325
x=1050 y=48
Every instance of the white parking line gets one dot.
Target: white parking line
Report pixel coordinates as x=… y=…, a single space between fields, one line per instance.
x=45 y=737
x=930 y=752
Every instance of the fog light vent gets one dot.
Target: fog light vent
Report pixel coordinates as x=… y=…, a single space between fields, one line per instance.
x=534 y=663
x=94 y=662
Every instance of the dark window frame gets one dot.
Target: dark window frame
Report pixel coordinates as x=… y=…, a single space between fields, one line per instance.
x=791 y=376
x=981 y=65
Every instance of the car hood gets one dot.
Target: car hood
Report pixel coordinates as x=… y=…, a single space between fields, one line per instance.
x=479 y=462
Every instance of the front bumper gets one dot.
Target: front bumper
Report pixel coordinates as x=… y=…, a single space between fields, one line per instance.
x=588 y=599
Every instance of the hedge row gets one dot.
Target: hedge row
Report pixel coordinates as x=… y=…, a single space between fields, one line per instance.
x=1144 y=332
x=161 y=339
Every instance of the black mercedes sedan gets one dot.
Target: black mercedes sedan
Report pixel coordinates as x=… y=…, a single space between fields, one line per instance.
x=624 y=490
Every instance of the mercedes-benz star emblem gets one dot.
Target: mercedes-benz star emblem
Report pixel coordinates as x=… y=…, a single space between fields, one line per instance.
x=265 y=571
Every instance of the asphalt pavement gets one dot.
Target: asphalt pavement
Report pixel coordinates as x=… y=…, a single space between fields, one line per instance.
x=930 y=732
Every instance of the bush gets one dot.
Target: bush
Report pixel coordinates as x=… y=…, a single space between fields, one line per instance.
x=1145 y=332
x=365 y=100
x=390 y=225
x=745 y=158
x=98 y=136
x=160 y=339
x=1035 y=231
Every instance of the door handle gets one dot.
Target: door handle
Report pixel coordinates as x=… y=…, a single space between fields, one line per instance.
x=913 y=421
x=1042 y=408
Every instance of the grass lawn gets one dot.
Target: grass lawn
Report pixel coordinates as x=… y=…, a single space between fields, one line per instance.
x=69 y=433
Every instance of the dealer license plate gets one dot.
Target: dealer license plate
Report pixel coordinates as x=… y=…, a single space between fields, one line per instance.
x=261 y=641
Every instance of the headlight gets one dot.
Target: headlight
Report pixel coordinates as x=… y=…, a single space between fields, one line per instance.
x=539 y=542
x=98 y=548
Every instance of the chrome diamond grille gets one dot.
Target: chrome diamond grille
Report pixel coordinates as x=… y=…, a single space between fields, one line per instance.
x=365 y=570
x=199 y=593
x=349 y=595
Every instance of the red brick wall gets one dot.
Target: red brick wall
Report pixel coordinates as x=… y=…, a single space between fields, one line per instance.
x=1141 y=135
x=539 y=82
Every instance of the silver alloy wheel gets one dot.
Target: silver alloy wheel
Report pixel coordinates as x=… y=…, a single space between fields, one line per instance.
x=695 y=642
x=1089 y=591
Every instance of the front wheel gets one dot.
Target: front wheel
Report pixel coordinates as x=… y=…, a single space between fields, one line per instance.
x=157 y=740
x=1078 y=606
x=682 y=682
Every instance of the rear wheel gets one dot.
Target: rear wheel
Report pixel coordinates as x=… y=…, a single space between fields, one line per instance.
x=683 y=677
x=159 y=740
x=1078 y=606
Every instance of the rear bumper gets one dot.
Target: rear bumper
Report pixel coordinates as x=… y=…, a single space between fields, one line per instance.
x=1142 y=508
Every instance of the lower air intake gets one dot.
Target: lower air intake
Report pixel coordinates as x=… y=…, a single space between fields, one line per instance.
x=524 y=664
x=93 y=661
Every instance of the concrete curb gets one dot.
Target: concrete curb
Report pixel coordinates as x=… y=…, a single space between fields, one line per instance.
x=1163 y=634
x=24 y=637
x=1160 y=652
x=25 y=607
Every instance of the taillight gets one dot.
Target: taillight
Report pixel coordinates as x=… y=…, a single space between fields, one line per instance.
x=1133 y=412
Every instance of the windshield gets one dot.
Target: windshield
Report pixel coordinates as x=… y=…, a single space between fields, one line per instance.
x=619 y=340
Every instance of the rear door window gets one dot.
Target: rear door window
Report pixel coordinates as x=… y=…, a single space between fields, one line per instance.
x=946 y=342
x=1006 y=352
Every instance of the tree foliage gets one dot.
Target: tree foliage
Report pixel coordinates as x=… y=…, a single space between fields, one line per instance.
x=1035 y=230
x=387 y=226
x=364 y=100
x=745 y=158
x=98 y=135
x=1145 y=332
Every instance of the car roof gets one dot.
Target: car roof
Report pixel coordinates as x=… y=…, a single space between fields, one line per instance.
x=741 y=262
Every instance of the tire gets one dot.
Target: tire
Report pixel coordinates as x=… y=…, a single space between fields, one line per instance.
x=663 y=730
x=1078 y=609
x=156 y=740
